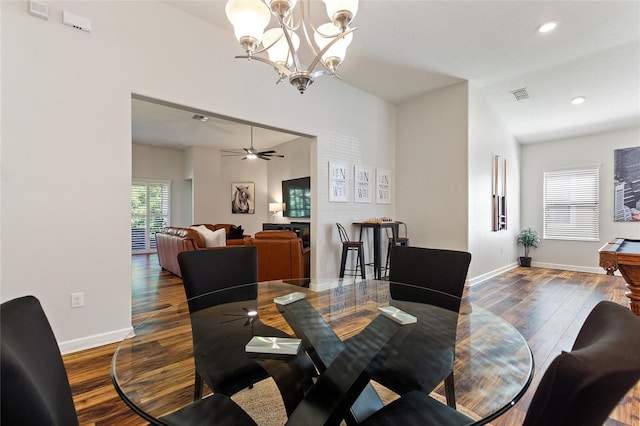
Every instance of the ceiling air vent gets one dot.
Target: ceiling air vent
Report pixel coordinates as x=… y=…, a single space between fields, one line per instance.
x=200 y=117
x=521 y=94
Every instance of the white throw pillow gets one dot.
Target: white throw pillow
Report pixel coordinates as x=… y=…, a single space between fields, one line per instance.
x=212 y=238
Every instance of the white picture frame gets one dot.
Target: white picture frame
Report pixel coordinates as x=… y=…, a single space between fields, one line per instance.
x=338 y=176
x=362 y=184
x=383 y=186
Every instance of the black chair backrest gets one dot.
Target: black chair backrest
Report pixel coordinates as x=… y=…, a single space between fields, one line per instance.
x=344 y=237
x=444 y=271
x=205 y=271
x=402 y=227
x=35 y=385
x=583 y=386
x=403 y=231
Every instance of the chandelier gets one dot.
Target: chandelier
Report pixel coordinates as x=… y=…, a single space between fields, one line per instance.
x=328 y=45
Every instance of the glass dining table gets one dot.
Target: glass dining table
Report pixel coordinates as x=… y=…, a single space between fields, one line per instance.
x=332 y=350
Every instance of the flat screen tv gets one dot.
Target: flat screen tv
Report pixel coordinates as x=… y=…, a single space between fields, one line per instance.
x=296 y=196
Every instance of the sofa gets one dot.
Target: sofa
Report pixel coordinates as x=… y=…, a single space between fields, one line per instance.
x=281 y=255
x=172 y=240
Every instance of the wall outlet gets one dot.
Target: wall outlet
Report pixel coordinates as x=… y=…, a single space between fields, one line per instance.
x=77 y=300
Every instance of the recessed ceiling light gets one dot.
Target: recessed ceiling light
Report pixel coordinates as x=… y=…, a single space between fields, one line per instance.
x=578 y=100
x=545 y=27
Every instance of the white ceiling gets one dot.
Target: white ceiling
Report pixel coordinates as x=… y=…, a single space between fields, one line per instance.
x=402 y=49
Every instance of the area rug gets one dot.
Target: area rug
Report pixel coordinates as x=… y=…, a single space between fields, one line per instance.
x=269 y=411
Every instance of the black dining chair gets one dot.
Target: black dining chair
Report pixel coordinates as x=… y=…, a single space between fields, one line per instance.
x=35 y=386
x=351 y=246
x=396 y=238
x=580 y=387
x=204 y=272
x=444 y=273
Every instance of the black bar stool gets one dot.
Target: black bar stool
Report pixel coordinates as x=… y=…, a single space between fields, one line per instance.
x=347 y=246
x=397 y=238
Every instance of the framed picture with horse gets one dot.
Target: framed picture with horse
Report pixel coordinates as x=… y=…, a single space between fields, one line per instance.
x=243 y=197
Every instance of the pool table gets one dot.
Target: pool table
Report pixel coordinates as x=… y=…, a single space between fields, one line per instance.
x=624 y=254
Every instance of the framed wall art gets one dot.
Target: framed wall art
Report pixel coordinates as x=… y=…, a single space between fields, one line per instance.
x=626 y=184
x=338 y=191
x=243 y=197
x=383 y=186
x=499 y=193
x=362 y=184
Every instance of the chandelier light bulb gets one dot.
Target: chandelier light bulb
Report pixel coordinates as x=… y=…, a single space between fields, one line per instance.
x=341 y=12
x=325 y=48
x=282 y=8
x=334 y=56
x=279 y=50
x=249 y=18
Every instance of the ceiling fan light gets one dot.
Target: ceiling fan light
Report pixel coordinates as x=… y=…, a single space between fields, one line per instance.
x=249 y=18
x=279 y=51
x=252 y=156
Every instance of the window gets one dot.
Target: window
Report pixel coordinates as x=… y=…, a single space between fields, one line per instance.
x=572 y=205
x=149 y=213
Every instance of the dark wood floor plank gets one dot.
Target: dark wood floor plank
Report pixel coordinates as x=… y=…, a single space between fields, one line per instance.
x=547 y=306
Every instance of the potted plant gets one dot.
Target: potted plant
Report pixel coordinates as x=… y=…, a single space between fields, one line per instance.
x=528 y=238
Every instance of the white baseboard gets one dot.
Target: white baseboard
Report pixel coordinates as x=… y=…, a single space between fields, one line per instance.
x=591 y=270
x=477 y=280
x=588 y=269
x=96 y=340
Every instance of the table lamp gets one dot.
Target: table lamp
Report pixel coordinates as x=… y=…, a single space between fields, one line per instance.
x=275 y=208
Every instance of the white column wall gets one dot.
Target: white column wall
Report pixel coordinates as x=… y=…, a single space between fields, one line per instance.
x=492 y=251
x=431 y=178
x=66 y=145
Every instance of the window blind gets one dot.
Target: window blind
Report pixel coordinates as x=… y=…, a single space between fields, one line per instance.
x=572 y=205
x=149 y=214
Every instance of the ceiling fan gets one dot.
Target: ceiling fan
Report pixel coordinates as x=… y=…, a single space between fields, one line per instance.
x=251 y=152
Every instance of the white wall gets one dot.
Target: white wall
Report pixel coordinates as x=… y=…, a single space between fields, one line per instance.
x=563 y=154
x=205 y=175
x=66 y=127
x=295 y=164
x=431 y=162
x=492 y=252
x=233 y=169
x=152 y=162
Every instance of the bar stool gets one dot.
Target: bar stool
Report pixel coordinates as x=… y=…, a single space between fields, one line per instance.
x=347 y=246
x=402 y=239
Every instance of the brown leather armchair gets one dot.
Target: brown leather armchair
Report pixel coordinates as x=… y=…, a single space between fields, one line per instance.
x=281 y=255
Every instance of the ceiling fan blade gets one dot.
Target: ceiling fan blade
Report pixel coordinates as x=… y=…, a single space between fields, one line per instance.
x=264 y=157
x=274 y=155
x=267 y=152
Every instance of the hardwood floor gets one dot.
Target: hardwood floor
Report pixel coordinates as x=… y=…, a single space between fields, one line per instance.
x=547 y=306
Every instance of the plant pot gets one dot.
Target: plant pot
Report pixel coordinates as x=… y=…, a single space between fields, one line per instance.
x=525 y=261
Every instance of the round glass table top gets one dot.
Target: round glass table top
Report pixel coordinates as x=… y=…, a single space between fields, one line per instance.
x=154 y=368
